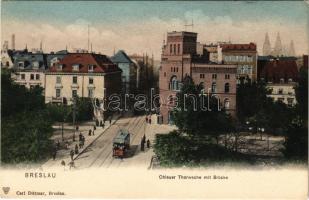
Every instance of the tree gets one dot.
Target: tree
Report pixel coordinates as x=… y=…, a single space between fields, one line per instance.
x=25 y=125
x=192 y=120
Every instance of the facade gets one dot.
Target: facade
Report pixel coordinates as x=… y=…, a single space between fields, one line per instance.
x=129 y=71
x=242 y=55
x=6 y=56
x=281 y=77
x=29 y=69
x=82 y=75
x=180 y=59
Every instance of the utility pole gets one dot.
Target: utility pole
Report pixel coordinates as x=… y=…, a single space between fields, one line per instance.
x=88 y=38
x=74 y=107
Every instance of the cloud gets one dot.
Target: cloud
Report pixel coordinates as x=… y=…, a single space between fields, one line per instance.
x=147 y=35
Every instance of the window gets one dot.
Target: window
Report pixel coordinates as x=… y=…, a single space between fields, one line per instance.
x=90 y=93
x=226 y=103
x=174 y=84
x=90 y=68
x=280 y=91
x=213 y=87
x=37 y=76
x=290 y=80
x=202 y=75
x=35 y=64
x=227 y=76
x=227 y=88
x=31 y=76
x=22 y=76
x=59 y=67
x=164 y=74
x=90 y=80
x=176 y=69
x=74 y=93
x=174 y=48
x=281 y=80
x=171 y=48
x=281 y=99
x=74 y=79
x=58 y=93
x=21 y=64
x=178 y=49
x=58 y=80
x=290 y=101
x=214 y=76
x=75 y=67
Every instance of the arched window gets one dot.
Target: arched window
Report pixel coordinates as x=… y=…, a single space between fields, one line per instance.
x=171 y=48
x=213 y=87
x=226 y=103
x=174 y=83
x=174 y=48
x=178 y=50
x=227 y=88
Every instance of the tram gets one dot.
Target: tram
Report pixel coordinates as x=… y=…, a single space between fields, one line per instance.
x=121 y=143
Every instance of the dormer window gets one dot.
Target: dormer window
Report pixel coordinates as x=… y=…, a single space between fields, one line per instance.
x=21 y=65
x=281 y=80
x=90 y=68
x=35 y=64
x=59 y=67
x=75 y=67
x=290 y=80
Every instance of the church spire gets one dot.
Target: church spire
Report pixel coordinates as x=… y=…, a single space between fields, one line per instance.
x=266 y=46
x=278 y=46
x=292 y=49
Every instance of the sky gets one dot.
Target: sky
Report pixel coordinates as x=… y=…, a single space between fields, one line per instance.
x=140 y=27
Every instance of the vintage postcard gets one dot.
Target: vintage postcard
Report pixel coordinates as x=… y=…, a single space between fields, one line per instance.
x=154 y=99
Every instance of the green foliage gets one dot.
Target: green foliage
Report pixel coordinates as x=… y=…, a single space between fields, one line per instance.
x=251 y=98
x=192 y=120
x=171 y=148
x=84 y=109
x=25 y=124
x=296 y=144
x=301 y=92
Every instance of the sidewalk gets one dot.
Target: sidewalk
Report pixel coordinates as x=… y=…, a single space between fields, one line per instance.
x=64 y=154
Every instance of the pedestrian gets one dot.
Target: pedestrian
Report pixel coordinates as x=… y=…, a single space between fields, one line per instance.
x=72 y=164
x=54 y=154
x=148 y=144
x=146 y=119
x=58 y=145
x=110 y=121
x=142 y=145
x=103 y=125
x=77 y=128
x=63 y=164
x=89 y=133
x=74 y=137
x=72 y=154
x=76 y=149
x=80 y=136
x=94 y=127
x=149 y=120
x=80 y=143
x=66 y=145
x=93 y=132
x=144 y=139
x=83 y=142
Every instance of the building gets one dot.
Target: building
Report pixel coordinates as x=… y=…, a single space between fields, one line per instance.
x=242 y=55
x=29 y=68
x=281 y=77
x=129 y=71
x=180 y=59
x=54 y=58
x=83 y=75
x=6 y=56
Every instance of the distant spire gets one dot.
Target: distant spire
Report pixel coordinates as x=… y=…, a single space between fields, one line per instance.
x=41 y=49
x=266 y=46
x=291 y=49
x=278 y=46
x=91 y=47
x=26 y=47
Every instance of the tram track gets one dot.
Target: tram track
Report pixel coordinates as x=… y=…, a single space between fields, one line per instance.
x=131 y=126
x=133 y=131
x=106 y=146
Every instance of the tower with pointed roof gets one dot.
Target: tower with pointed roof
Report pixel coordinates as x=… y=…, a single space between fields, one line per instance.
x=278 y=46
x=266 y=46
x=291 y=49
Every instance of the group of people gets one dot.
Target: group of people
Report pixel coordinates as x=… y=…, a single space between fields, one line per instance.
x=148 y=119
x=143 y=141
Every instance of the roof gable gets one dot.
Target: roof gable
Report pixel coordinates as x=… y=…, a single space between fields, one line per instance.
x=121 y=57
